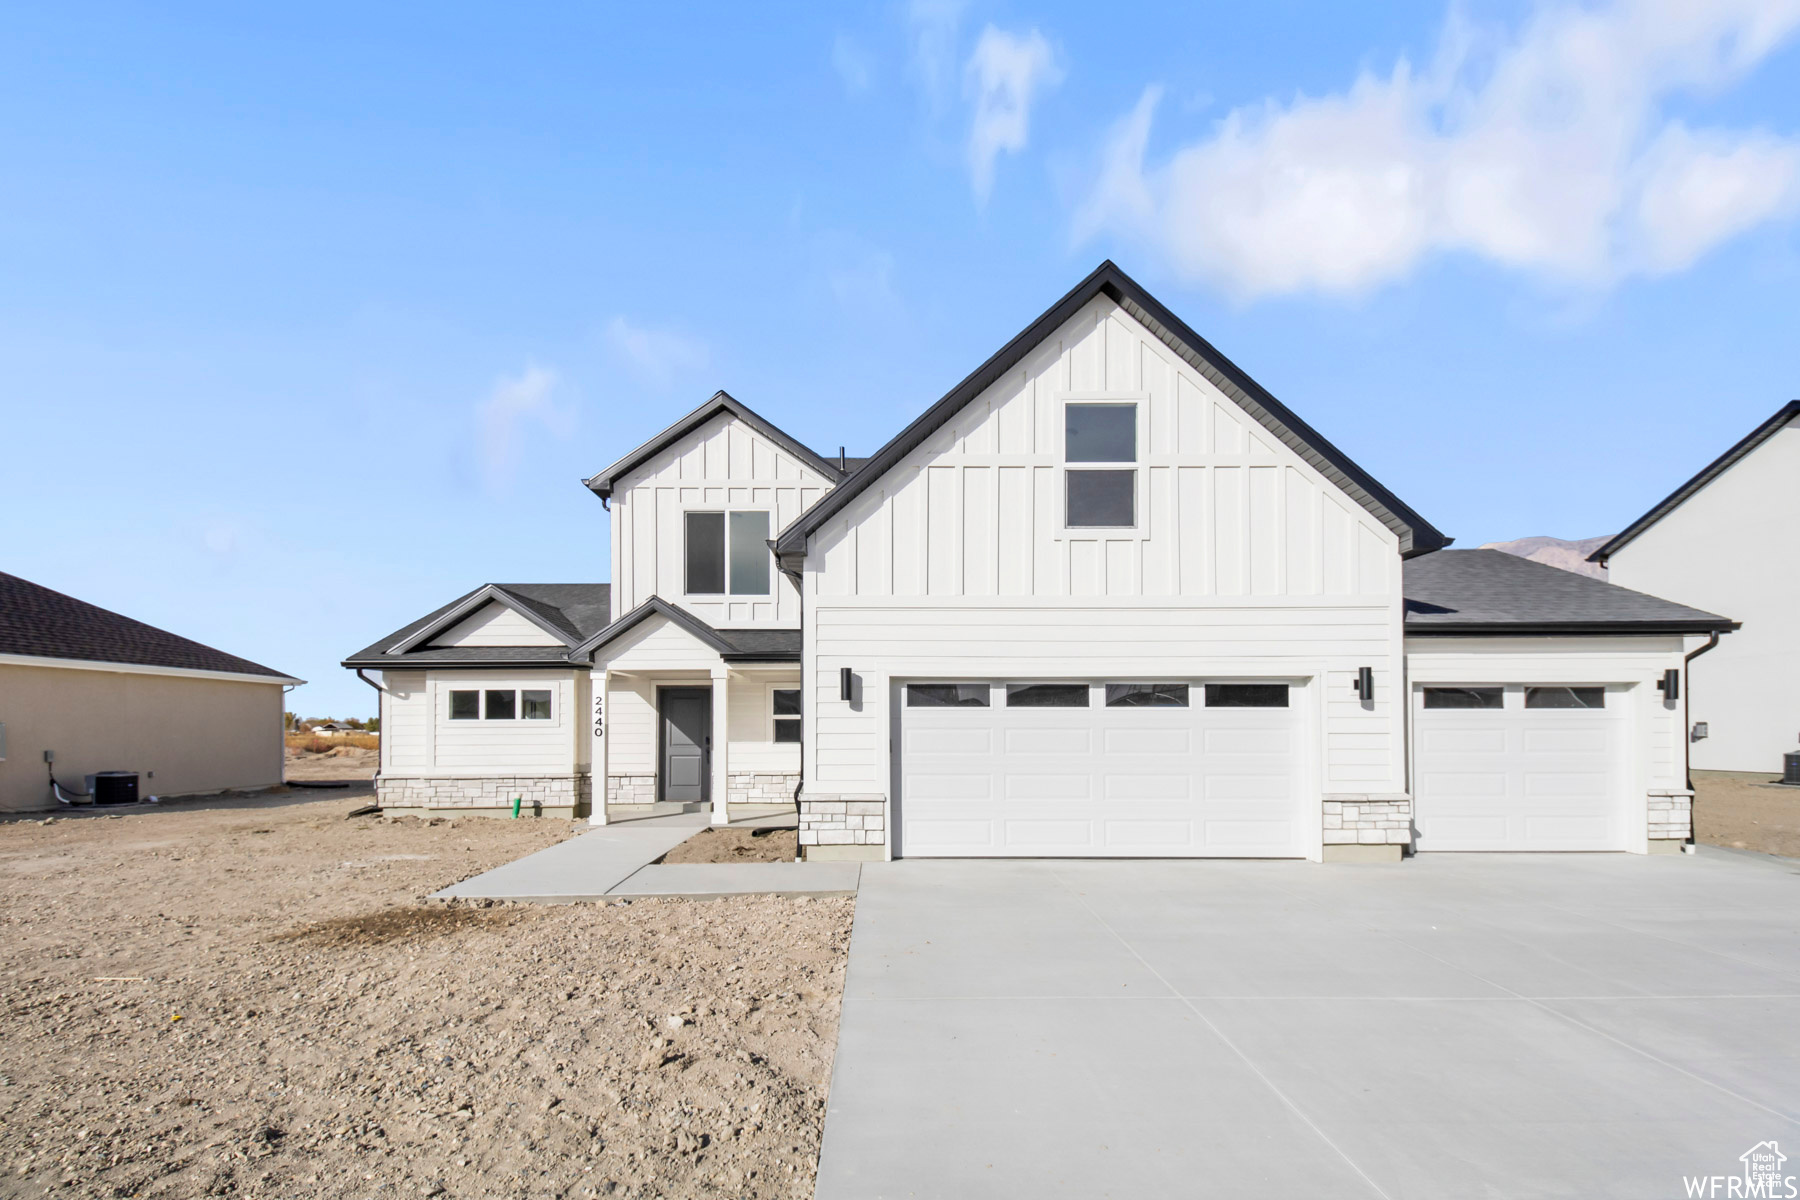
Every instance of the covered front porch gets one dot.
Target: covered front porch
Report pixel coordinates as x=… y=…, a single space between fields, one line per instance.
x=686 y=718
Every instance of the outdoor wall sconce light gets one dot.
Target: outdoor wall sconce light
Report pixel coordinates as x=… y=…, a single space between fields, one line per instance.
x=1670 y=685
x=846 y=684
x=1365 y=683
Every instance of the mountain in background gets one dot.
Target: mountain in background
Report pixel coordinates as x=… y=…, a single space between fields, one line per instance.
x=1557 y=552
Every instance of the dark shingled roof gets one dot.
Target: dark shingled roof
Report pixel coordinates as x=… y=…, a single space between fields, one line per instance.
x=722 y=402
x=38 y=622
x=1490 y=591
x=580 y=611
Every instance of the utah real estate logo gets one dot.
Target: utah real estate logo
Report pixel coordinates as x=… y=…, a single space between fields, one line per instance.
x=1762 y=1178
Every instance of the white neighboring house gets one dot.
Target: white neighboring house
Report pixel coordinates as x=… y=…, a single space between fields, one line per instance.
x=1708 y=544
x=1108 y=597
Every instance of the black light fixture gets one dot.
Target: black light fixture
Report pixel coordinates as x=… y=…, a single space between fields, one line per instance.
x=1670 y=685
x=1365 y=683
x=846 y=684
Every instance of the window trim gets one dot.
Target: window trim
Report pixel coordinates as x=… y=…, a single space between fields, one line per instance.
x=725 y=511
x=1139 y=529
x=798 y=688
x=518 y=690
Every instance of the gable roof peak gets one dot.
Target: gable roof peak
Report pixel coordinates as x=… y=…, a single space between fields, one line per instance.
x=721 y=401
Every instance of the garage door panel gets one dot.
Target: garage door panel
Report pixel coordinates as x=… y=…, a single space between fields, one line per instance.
x=1514 y=778
x=1102 y=780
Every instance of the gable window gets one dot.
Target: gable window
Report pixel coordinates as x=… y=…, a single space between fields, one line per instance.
x=1102 y=495
x=465 y=706
x=727 y=553
x=784 y=709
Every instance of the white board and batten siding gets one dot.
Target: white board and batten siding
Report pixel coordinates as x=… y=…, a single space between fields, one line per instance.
x=1246 y=564
x=723 y=465
x=419 y=739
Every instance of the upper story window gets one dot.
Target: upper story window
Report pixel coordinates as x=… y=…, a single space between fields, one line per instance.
x=1101 y=493
x=728 y=553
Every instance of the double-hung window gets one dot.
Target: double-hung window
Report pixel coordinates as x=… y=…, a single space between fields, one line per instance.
x=1100 y=450
x=728 y=553
x=784 y=707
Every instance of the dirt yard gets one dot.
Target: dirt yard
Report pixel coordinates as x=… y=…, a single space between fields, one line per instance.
x=249 y=998
x=337 y=763
x=736 y=845
x=1739 y=809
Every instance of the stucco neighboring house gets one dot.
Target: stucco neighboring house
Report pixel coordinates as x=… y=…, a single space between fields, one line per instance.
x=1107 y=597
x=104 y=692
x=1719 y=541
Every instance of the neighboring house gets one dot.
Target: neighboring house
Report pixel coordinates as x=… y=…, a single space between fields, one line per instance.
x=1709 y=544
x=332 y=728
x=1108 y=597
x=104 y=692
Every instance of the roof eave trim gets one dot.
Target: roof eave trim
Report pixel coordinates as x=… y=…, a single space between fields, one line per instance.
x=1570 y=628
x=1711 y=471
x=473 y=603
x=601 y=484
x=457 y=664
x=1416 y=535
x=130 y=668
x=654 y=606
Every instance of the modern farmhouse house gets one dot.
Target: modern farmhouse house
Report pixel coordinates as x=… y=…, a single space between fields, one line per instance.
x=1108 y=597
x=1706 y=543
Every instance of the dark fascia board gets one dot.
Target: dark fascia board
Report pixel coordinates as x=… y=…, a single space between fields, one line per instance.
x=516 y=664
x=722 y=402
x=1570 y=628
x=1417 y=536
x=1710 y=472
x=654 y=606
x=473 y=602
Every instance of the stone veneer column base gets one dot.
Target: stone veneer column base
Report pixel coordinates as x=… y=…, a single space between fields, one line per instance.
x=1367 y=820
x=833 y=824
x=630 y=789
x=491 y=795
x=762 y=787
x=1671 y=816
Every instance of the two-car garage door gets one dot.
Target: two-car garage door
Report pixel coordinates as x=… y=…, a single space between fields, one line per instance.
x=1095 y=769
x=1519 y=767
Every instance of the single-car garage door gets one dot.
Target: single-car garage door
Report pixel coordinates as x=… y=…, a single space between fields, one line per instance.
x=1123 y=769
x=1519 y=767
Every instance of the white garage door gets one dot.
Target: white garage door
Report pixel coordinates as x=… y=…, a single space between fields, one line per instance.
x=1059 y=770
x=1519 y=768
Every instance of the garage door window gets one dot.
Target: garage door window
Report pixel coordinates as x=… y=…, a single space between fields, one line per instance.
x=1246 y=695
x=1565 y=697
x=1046 y=695
x=946 y=695
x=1469 y=697
x=1146 y=695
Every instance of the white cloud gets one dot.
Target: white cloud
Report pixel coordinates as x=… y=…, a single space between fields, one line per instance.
x=1546 y=149
x=514 y=401
x=1002 y=77
x=858 y=273
x=655 y=356
x=855 y=66
x=932 y=25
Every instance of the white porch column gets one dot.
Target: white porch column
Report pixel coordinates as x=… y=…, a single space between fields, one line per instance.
x=599 y=770
x=721 y=739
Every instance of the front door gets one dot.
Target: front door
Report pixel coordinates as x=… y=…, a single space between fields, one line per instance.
x=686 y=744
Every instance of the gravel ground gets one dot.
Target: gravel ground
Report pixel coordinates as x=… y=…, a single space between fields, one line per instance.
x=248 y=998
x=1739 y=809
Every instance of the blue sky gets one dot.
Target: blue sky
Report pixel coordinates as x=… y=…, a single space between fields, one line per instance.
x=313 y=319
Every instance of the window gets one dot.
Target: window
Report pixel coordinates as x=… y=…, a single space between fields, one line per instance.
x=714 y=560
x=1465 y=697
x=1046 y=695
x=1096 y=498
x=1246 y=695
x=502 y=706
x=784 y=709
x=1565 y=697
x=946 y=695
x=536 y=705
x=465 y=706
x=1146 y=695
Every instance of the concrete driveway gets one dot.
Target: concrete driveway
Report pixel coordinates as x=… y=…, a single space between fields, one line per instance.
x=1468 y=1025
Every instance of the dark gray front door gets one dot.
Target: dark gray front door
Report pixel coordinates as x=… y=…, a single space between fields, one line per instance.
x=686 y=744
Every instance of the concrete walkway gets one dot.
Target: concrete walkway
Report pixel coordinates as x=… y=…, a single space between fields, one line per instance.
x=618 y=862
x=1519 y=1025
